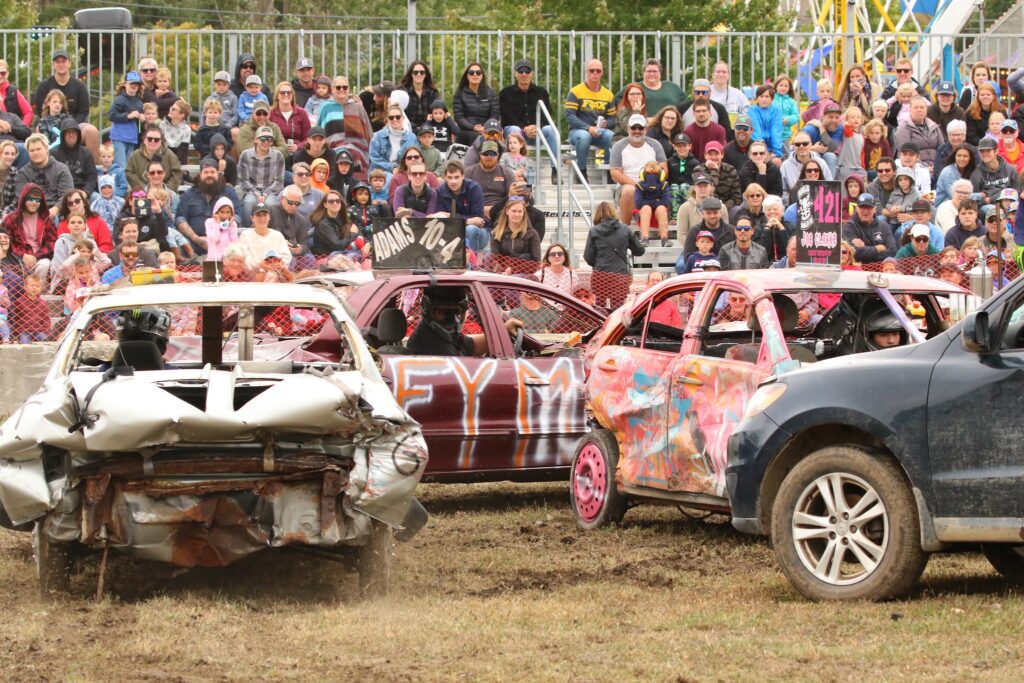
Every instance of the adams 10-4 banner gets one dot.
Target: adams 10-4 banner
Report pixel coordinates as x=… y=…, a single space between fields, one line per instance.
x=419 y=243
x=819 y=216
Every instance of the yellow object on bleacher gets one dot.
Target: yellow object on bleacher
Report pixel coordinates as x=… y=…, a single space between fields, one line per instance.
x=153 y=276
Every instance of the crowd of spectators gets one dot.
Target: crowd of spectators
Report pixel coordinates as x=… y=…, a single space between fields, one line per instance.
x=296 y=172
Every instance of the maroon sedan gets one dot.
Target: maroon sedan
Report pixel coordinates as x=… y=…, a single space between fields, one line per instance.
x=513 y=408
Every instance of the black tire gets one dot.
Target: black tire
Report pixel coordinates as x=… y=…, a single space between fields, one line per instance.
x=593 y=495
x=53 y=564
x=374 y=564
x=833 y=557
x=1007 y=559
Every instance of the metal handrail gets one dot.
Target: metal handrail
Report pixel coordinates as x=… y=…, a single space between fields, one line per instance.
x=575 y=203
x=544 y=115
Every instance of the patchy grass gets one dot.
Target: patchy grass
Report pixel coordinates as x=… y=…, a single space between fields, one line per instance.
x=502 y=586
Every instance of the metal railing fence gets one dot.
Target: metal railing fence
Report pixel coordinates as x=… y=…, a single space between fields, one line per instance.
x=368 y=57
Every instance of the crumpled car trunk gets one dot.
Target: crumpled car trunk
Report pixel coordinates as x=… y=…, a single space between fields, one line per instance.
x=203 y=467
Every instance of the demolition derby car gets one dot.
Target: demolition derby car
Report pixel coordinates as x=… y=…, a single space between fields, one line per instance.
x=671 y=374
x=226 y=419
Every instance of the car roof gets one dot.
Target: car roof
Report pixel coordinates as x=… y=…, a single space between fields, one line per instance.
x=822 y=279
x=211 y=293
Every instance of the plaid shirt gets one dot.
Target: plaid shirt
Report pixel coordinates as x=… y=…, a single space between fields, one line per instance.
x=263 y=176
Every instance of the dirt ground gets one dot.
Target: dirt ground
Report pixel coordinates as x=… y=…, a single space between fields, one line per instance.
x=502 y=586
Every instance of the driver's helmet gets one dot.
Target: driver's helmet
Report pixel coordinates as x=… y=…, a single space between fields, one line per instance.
x=451 y=302
x=144 y=324
x=882 y=321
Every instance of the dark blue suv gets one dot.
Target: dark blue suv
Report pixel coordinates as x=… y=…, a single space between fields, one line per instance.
x=861 y=466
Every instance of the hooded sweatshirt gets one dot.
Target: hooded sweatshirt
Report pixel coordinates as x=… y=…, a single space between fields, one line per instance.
x=992 y=182
x=220 y=235
x=607 y=246
x=230 y=174
x=77 y=158
x=237 y=86
x=45 y=233
x=850 y=200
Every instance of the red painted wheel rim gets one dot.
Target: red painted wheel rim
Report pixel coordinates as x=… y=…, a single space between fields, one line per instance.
x=590 y=483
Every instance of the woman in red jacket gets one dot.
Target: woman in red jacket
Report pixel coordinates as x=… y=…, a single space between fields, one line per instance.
x=289 y=117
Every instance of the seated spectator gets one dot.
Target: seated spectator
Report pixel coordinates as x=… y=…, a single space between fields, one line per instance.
x=944 y=109
x=261 y=239
x=494 y=180
x=514 y=158
x=75 y=203
x=921 y=214
x=315 y=147
x=260 y=173
x=775 y=232
x=286 y=218
x=711 y=212
x=197 y=204
x=718 y=113
x=128 y=261
x=588 y=104
x=344 y=178
x=870 y=236
x=221 y=229
x=431 y=155
x=980 y=110
x=176 y=129
x=389 y=142
x=302 y=176
x=628 y=158
x=227 y=167
x=631 y=102
x=920 y=130
x=14 y=101
x=743 y=253
x=331 y=116
x=415 y=198
x=537 y=316
x=703 y=130
x=155 y=181
x=303 y=83
x=910 y=160
x=680 y=170
x=253 y=93
x=876 y=145
x=153 y=149
x=946 y=213
x=319 y=172
x=235 y=266
x=379 y=182
x=335 y=234
x=163 y=93
x=751 y=207
x=522 y=190
x=758 y=169
x=76 y=157
x=705 y=242
x=993 y=174
x=919 y=245
x=959 y=165
x=260 y=118
x=64 y=247
x=31 y=229
x=653 y=198
x=664 y=126
x=723 y=175
x=409 y=155
x=1009 y=147
x=289 y=117
x=793 y=166
x=826 y=135
x=463 y=197
x=812 y=171
x=53 y=113
x=901 y=199
x=824 y=94
x=8 y=158
x=736 y=150
x=108 y=205
x=82 y=278
x=514 y=238
x=473 y=103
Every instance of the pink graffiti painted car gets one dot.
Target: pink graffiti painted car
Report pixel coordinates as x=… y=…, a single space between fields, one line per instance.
x=513 y=408
x=671 y=374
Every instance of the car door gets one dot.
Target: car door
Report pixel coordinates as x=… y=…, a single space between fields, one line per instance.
x=630 y=385
x=974 y=417
x=709 y=393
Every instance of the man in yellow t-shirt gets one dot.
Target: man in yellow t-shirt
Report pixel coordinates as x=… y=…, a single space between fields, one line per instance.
x=590 y=112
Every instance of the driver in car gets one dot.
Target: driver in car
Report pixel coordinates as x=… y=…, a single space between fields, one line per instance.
x=439 y=332
x=884 y=331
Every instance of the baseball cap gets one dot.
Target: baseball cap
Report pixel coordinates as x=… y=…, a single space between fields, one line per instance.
x=384 y=88
x=304 y=63
x=921 y=205
x=701 y=83
x=323 y=80
x=316 y=131
x=987 y=143
x=59 y=54
x=133 y=77
x=704 y=264
x=920 y=231
x=222 y=76
x=713 y=145
x=711 y=203
x=637 y=120
x=990 y=210
x=489 y=146
x=261 y=207
x=1009 y=123
x=261 y=105
x=866 y=199
x=832 y=108
x=706 y=233
x=343 y=155
x=992 y=255
x=945 y=88
x=492 y=126
x=265 y=132
x=910 y=147
x=681 y=139
x=209 y=162
x=743 y=120
x=424 y=129
x=524 y=63
x=269 y=253
x=702 y=178
x=253 y=80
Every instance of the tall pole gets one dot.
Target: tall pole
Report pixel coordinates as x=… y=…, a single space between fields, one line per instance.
x=410 y=32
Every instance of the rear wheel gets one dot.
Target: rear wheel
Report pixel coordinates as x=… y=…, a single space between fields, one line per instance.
x=375 y=561
x=1007 y=559
x=53 y=564
x=845 y=526
x=595 y=500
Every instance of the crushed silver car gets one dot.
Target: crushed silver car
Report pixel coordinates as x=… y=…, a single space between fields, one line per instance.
x=226 y=419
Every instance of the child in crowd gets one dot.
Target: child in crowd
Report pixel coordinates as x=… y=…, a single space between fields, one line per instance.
x=227 y=99
x=705 y=242
x=226 y=164
x=107 y=166
x=969 y=252
x=361 y=210
x=880 y=113
x=652 y=198
x=514 y=158
x=901 y=199
x=85 y=248
x=851 y=151
x=949 y=256
x=108 y=205
x=5 y=304
x=211 y=125
x=379 y=182
x=253 y=93
x=177 y=132
x=55 y=112
x=83 y=279
x=64 y=248
x=344 y=179
x=319 y=172
x=876 y=146
x=680 y=170
x=432 y=158
x=31 y=313
x=221 y=229
x=165 y=96
x=150 y=114
x=321 y=96
x=899 y=104
x=854 y=187
x=444 y=127
x=153 y=222
x=995 y=126
x=910 y=154
x=125 y=114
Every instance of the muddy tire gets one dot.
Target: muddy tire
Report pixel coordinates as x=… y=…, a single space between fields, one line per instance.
x=53 y=564
x=1007 y=559
x=845 y=527
x=595 y=500
x=374 y=564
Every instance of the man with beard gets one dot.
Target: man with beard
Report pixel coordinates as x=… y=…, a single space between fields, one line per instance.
x=196 y=204
x=52 y=176
x=827 y=135
x=628 y=158
x=494 y=179
x=303 y=84
x=703 y=130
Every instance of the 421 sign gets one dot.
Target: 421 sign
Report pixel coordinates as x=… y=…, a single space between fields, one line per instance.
x=819 y=215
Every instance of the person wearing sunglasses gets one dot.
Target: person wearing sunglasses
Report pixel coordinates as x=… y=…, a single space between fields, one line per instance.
x=261 y=173
x=473 y=104
x=590 y=110
x=14 y=102
x=744 y=253
x=286 y=114
x=801 y=152
x=904 y=74
x=260 y=119
x=245 y=66
x=153 y=148
x=32 y=231
x=701 y=90
x=518 y=106
x=286 y=218
x=390 y=142
x=418 y=83
x=415 y=198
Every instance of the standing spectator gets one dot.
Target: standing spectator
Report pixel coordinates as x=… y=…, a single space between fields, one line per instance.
x=784 y=101
x=125 y=115
x=228 y=99
x=978 y=113
x=11 y=99
x=876 y=145
x=153 y=149
x=32 y=231
x=176 y=129
x=292 y=120
x=261 y=239
x=164 y=96
x=303 y=84
x=870 y=236
x=460 y=196
x=221 y=229
x=332 y=114
x=77 y=158
x=45 y=172
x=768 y=122
x=245 y=66
x=587 y=105
x=703 y=130
x=556 y=270
x=758 y=169
x=981 y=73
x=107 y=205
x=419 y=84
x=76 y=96
x=743 y=253
x=628 y=158
x=607 y=250
x=733 y=99
x=431 y=155
x=391 y=141
x=514 y=158
x=723 y=175
x=32 y=313
x=286 y=218
x=474 y=103
x=55 y=113
x=260 y=172
x=514 y=238
x=849 y=161
x=993 y=174
x=904 y=76
x=680 y=170
x=197 y=203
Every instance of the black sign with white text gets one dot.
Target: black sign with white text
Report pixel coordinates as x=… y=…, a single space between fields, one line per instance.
x=419 y=243
x=819 y=213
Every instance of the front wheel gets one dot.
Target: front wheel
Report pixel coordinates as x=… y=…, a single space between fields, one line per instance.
x=53 y=564
x=375 y=561
x=845 y=526
x=595 y=500
x=1007 y=559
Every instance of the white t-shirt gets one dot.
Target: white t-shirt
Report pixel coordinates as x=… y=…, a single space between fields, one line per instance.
x=632 y=159
x=256 y=246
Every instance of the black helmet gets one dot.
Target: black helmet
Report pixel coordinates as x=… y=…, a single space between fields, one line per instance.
x=452 y=301
x=150 y=324
x=882 y=320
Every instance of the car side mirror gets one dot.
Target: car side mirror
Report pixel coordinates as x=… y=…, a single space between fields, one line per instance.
x=975 y=332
